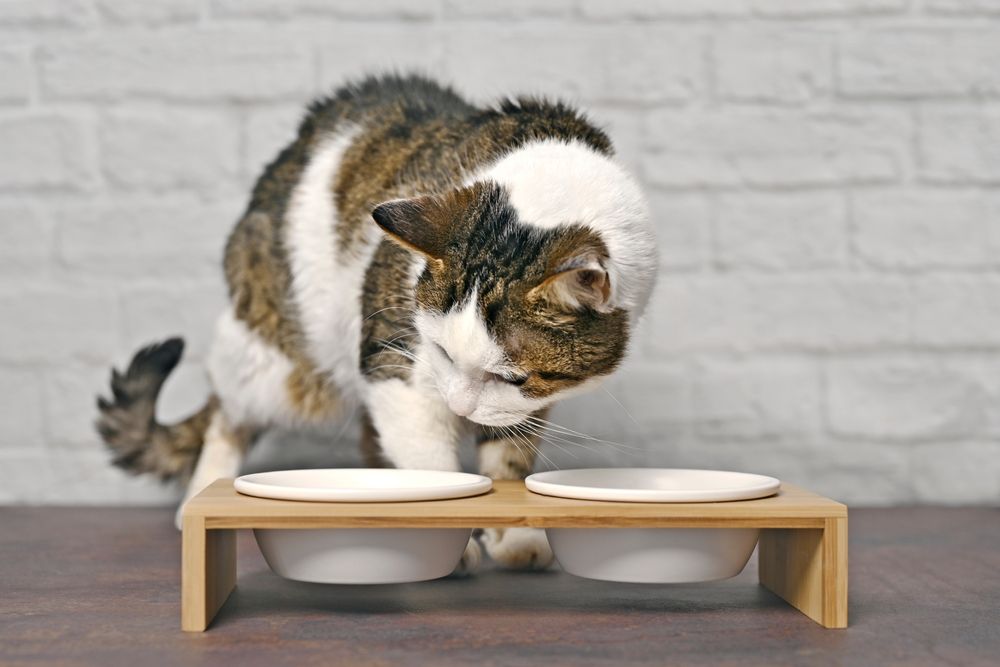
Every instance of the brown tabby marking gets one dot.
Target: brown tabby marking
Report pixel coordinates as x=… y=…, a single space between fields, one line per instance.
x=312 y=394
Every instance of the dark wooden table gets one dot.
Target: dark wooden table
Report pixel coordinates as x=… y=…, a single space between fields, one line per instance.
x=102 y=586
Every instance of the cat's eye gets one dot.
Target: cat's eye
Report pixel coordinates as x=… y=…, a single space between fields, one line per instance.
x=444 y=352
x=515 y=381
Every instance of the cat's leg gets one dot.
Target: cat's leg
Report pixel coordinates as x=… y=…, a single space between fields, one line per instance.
x=510 y=454
x=222 y=453
x=410 y=426
x=414 y=425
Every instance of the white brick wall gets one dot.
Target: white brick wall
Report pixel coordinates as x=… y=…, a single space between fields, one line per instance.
x=825 y=176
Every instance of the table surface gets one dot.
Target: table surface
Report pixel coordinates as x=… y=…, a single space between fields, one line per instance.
x=509 y=503
x=102 y=586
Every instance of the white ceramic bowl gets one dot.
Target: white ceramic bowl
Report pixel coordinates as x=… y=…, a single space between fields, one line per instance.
x=653 y=555
x=362 y=555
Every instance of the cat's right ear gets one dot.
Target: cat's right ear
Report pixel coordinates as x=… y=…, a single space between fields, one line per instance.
x=415 y=224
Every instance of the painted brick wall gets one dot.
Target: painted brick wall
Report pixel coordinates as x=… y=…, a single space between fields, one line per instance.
x=825 y=176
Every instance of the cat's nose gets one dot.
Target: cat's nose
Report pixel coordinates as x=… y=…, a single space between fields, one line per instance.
x=462 y=398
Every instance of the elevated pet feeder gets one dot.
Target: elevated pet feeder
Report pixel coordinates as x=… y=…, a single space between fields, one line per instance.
x=802 y=536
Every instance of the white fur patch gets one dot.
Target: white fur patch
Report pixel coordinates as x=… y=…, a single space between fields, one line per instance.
x=326 y=280
x=554 y=183
x=416 y=429
x=249 y=375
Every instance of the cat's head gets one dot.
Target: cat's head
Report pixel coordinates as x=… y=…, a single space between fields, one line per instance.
x=520 y=303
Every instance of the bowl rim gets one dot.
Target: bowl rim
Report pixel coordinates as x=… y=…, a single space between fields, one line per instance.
x=464 y=485
x=756 y=486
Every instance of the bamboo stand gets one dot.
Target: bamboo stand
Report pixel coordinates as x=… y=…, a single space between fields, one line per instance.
x=802 y=549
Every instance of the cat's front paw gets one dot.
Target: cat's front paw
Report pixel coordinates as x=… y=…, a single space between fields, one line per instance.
x=471 y=559
x=518 y=548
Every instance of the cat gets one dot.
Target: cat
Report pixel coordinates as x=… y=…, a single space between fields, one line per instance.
x=446 y=268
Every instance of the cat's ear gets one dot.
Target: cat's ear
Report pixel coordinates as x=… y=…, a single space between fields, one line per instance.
x=415 y=224
x=579 y=283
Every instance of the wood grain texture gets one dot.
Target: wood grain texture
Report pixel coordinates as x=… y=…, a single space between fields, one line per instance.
x=511 y=504
x=208 y=572
x=808 y=569
x=803 y=546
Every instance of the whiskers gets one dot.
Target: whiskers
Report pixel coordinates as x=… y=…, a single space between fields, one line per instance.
x=534 y=430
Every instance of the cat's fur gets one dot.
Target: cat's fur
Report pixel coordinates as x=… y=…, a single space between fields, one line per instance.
x=449 y=267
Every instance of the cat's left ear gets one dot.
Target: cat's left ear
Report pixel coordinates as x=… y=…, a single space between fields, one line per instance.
x=580 y=283
x=416 y=224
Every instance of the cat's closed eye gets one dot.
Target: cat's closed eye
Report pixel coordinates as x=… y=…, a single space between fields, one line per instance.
x=516 y=381
x=444 y=352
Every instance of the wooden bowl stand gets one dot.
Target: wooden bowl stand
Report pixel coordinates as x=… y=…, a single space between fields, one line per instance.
x=802 y=551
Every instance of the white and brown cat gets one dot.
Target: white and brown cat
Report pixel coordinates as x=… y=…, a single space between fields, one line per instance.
x=450 y=269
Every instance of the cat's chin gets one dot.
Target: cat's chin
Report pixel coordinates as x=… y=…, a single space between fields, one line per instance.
x=496 y=420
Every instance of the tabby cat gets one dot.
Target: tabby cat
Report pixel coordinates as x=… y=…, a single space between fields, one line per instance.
x=447 y=268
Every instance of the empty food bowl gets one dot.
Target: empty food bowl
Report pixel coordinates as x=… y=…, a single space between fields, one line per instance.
x=362 y=555
x=653 y=555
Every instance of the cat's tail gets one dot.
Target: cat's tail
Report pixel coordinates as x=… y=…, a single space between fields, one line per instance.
x=128 y=425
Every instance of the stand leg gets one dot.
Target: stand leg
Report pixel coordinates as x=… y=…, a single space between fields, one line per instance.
x=808 y=568
x=208 y=572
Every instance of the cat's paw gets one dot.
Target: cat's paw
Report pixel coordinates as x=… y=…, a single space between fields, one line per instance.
x=518 y=548
x=471 y=560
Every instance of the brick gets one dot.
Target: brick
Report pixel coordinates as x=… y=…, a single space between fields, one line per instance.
x=52 y=325
x=371 y=9
x=904 y=399
x=199 y=66
x=25 y=241
x=656 y=394
x=643 y=9
x=683 y=224
x=45 y=151
x=962 y=6
x=373 y=48
x=151 y=314
x=153 y=147
x=772 y=66
x=690 y=313
x=514 y=9
x=957 y=146
x=45 y=14
x=917 y=63
x=593 y=63
x=860 y=473
x=626 y=127
x=166 y=239
x=15 y=76
x=932 y=229
x=127 y=12
x=266 y=132
x=956 y=473
x=957 y=311
x=781 y=231
x=780 y=148
x=88 y=477
x=23 y=473
x=820 y=8
x=71 y=392
x=21 y=420
x=767 y=399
